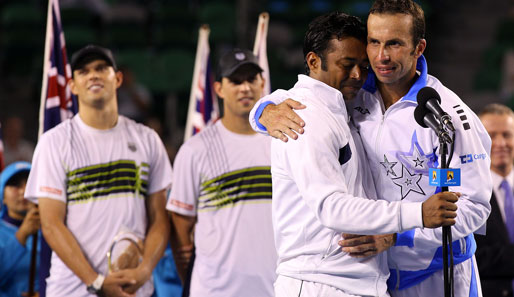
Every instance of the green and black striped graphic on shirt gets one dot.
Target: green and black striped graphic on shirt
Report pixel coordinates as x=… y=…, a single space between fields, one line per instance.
x=248 y=185
x=109 y=179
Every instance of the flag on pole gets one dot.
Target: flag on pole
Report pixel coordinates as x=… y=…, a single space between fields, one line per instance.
x=203 y=103
x=259 y=50
x=57 y=102
x=2 y=162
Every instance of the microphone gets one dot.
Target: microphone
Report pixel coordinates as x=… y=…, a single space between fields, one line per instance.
x=430 y=99
x=427 y=119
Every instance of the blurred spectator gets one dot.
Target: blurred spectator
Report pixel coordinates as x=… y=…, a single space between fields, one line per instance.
x=15 y=147
x=19 y=220
x=495 y=257
x=134 y=99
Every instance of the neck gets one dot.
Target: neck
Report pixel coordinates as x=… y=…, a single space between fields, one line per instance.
x=392 y=93
x=14 y=215
x=102 y=119
x=237 y=124
x=502 y=171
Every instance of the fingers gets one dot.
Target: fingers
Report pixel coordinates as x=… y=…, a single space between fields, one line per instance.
x=278 y=135
x=350 y=236
x=294 y=104
x=361 y=251
x=356 y=241
x=450 y=196
x=120 y=278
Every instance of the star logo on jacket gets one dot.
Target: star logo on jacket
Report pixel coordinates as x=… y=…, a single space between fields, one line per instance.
x=416 y=160
x=408 y=183
x=132 y=147
x=388 y=166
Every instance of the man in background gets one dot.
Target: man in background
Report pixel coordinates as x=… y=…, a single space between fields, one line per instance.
x=221 y=194
x=495 y=250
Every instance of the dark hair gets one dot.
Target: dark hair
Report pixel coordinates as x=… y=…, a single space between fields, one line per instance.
x=18 y=178
x=408 y=7
x=334 y=25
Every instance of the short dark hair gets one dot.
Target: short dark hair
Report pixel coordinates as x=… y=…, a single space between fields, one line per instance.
x=496 y=109
x=333 y=25
x=408 y=7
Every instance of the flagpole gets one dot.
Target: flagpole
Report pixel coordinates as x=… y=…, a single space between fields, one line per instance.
x=259 y=50
x=203 y=37
x=46 y=65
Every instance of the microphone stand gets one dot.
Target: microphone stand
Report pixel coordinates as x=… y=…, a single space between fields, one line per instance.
x=447 y=232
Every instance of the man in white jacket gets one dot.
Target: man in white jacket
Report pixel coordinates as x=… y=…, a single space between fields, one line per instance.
x=400 y=152
x=331 y=191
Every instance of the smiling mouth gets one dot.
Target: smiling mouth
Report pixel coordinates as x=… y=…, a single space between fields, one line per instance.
x=95 y=87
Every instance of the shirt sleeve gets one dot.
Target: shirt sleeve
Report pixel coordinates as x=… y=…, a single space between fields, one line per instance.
x=186 y=182
x=472 y=156
x=276 y=97
x=47 y=177
x=160 y=174
x=312 y=161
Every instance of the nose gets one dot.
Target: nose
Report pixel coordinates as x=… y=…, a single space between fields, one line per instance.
x=383 y=54
x=498 y=140
x=356 y=72
x=245 y=86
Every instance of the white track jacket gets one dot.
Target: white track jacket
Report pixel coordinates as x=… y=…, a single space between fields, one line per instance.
x=320 y=182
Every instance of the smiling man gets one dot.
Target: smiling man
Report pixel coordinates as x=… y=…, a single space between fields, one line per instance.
x=95 y=176
x=222 y=194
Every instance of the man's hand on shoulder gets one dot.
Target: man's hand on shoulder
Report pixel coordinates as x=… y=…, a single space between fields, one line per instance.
x=281 y=120
x=361 y=246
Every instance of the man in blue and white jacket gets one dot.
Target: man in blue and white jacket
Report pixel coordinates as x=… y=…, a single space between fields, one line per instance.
x=400 y=152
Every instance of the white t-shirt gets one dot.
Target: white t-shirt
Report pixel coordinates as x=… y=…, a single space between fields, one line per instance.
x=224 y=179
x=104 y=177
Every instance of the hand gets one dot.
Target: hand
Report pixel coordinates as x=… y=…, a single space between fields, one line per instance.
x=281 y=119
x=440 y=210
x=183 y=256
x=30 y=225
x=361 y=246
x=140 y=275
x=114 y=283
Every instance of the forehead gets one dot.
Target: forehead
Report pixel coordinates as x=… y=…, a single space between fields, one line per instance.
x=389 y=26
x=347 y=48
x=498 y=122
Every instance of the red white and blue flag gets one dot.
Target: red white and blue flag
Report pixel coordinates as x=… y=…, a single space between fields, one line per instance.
x=259 y=50
x=57 y=101
x=203 y=103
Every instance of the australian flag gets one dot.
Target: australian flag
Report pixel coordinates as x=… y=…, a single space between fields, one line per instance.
x=57 y=102
x=203 y=103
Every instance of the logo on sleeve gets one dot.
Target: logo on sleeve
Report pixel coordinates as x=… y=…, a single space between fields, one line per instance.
x=463 y=118
x=469 y=158
x=362 y=110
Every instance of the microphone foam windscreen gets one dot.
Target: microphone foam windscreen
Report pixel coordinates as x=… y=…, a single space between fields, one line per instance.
x=419 y=115
x=426 y=94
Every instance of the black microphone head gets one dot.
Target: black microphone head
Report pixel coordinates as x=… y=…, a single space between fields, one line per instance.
x=426 y=94
x=419 y=115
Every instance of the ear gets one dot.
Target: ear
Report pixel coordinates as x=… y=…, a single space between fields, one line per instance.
x=313 y=62
x=263 y=81
x=73 y=87
x=119 y=78
x=217 y=89
x=420 y=48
